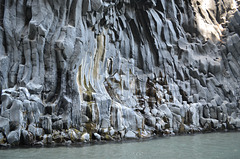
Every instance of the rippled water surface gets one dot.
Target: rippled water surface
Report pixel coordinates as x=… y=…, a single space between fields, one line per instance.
x=200 y=146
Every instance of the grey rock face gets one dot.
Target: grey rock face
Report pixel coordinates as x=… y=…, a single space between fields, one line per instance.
x=1 y=79
x=46 y=124
x=130 y=135
x=4 y=125
x=13 y=137
x=97 y=136
x=81 y=70
x=27 y=137
x=2 y=139
x=58 y=125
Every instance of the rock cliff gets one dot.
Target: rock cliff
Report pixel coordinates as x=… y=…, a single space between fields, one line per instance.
x=86 y=70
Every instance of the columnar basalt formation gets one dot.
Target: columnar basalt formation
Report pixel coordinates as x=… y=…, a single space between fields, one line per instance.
x=86 y=70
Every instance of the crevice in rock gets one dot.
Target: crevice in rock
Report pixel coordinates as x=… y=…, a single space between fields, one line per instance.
x=28 y=12
x=2 y=6
x=72 y=13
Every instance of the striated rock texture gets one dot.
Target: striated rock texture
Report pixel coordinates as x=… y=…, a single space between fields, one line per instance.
x=86 y=70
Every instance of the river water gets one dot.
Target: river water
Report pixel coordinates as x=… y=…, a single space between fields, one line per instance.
x=199 y=146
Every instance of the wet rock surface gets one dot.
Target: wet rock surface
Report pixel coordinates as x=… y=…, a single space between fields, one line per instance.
x=82 y=71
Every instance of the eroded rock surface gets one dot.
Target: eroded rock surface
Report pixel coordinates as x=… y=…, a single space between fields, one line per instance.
x=84 y=70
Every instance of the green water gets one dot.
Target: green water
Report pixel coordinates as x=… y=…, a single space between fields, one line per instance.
x=199 y=146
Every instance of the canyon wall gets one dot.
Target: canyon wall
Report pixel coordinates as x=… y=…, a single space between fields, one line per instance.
x=88 y=70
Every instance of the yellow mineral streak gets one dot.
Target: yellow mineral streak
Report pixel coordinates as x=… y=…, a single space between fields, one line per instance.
x=99 y=55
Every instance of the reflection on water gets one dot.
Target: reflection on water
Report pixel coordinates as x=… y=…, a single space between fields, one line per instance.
x=200 y=146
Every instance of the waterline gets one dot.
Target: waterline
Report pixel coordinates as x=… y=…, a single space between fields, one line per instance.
x=199 y=146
